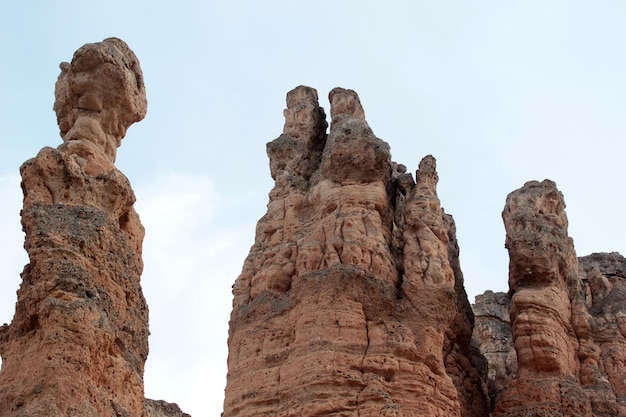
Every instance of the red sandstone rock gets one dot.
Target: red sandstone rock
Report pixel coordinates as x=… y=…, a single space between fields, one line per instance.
x=79 y=338
x=349 y=302
x=98 y=96
x=567 y=323
x=542 y=276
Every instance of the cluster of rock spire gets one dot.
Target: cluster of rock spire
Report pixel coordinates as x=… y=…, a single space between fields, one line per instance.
x=350 y=303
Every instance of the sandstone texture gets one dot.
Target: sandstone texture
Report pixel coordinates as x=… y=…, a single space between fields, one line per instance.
x=603 y=353
x=492 y=335
x=351 y=302
x=566 y=318
x=603 y=280
x=79 y=338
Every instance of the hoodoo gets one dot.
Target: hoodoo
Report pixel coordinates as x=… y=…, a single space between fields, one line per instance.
x=351 y=300
x=79 y=338
x=567 y=318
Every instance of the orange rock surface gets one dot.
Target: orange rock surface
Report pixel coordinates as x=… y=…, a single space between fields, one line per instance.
x=79 y=338
x=567 y=315
x=351 y=300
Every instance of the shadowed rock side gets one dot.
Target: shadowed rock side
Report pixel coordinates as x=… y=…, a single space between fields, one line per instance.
x=492 y=335
x=79 y=338
x=567 y=323
x=349 y=302
x=603 y=340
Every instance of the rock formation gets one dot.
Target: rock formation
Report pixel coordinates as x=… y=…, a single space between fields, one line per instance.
x=492 y=334
x=79 y=338
x=152 y=408
x=603 y=341
x=351 y=301
x=603 y=280
x=567 y=315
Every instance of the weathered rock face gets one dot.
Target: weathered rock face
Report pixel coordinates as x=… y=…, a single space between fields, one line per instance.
x=543 y=278
x=567 y=322
x=351 y=300
x=603 y=280
x=603 y=342
x=79 y=338
x=492 y=334
x=160 y=408
x=97 y=97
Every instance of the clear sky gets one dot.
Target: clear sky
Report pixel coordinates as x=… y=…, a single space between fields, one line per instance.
x=500 y=92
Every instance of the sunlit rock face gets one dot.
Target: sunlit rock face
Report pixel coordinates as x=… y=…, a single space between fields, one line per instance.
x=351 y=301
x=79 y=338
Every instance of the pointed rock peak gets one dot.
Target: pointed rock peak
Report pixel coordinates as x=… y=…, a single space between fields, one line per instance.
x=345 y=103
x=426 y=175
x=99 y=95
x=295 y=154
x=352 y=151
x=304 y=118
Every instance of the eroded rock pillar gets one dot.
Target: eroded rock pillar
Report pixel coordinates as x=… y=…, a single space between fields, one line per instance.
x=545 y=306
x=348 y=303
x=79 y=338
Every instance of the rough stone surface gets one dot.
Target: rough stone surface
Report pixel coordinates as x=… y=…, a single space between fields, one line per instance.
x=602 y=352
x=567 y=317
x=97 y=97
x=492 y=335
x=351 y=301
x=152 y=408
x=79 y=338
x=603 y=342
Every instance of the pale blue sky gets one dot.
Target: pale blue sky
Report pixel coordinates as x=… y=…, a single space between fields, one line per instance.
x=500 y=92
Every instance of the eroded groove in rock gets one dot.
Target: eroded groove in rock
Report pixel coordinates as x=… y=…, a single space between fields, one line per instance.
x=351 y=300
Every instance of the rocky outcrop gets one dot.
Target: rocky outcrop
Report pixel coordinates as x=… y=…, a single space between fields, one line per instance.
x=603 y=341
x=492 y=335
x=79 y=338
x=351 y=300
x=544 y=287
x=160 y=408
x=603 y=280
x=566 y=318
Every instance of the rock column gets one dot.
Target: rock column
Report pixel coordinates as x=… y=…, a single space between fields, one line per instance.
x=545 y=306
x=348 y=301
x=79 y=338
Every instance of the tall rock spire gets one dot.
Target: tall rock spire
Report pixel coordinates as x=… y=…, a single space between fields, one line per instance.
x=566 y=321
x=542 y=270
x=351 y=300
x=79 y=338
